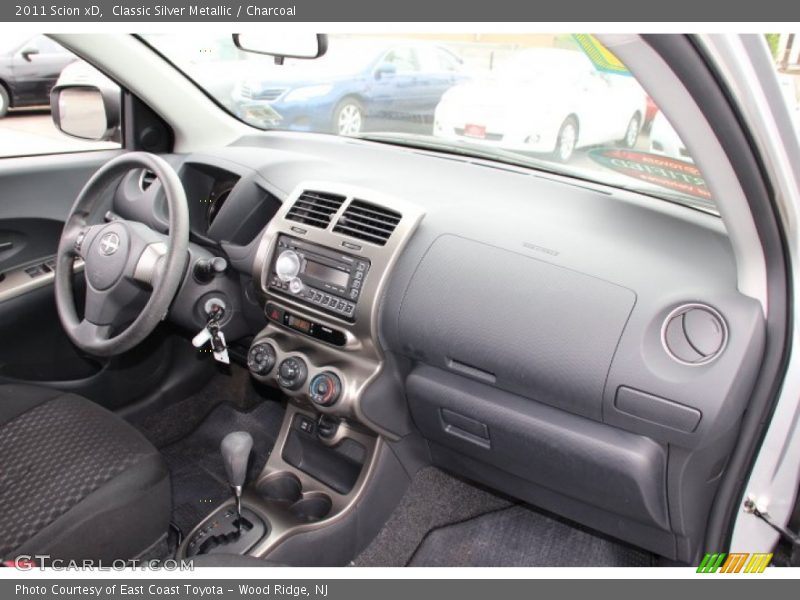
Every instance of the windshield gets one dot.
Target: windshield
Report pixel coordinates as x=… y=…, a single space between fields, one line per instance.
x=561 y=103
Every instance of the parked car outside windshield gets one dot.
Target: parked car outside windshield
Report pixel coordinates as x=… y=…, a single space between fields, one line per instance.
x=358 y=85
x=544 y=100
x=560 y=103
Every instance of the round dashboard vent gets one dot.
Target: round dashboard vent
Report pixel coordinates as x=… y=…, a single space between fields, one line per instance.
x=694 y=334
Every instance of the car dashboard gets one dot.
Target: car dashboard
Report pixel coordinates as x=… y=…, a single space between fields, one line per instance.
x=579 y=347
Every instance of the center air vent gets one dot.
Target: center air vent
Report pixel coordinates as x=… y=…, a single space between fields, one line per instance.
x=146 y=179
x=315 y=208
x=368 y=222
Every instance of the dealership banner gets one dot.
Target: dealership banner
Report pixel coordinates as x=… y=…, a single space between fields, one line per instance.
x=406 y=11
x=392 y=589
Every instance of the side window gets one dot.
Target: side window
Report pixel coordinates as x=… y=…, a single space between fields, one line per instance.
x=26 y=126
x=404 y=59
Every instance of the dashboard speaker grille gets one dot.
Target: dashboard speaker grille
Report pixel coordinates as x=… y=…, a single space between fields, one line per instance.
x=315 y=208
x=368 y=222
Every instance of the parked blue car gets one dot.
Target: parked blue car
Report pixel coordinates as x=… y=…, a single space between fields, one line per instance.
x=359 y=85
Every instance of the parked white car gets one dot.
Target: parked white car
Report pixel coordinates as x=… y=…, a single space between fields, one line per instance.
x=544 y=100
x=664 y=140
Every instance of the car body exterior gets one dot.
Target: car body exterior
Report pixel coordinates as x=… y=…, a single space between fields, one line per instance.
x=664 y=140
x=29 y=67
x=358 y=85
x=508 y=109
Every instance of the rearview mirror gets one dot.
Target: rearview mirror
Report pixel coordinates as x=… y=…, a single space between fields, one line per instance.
x=283 y=45
x=85 y=112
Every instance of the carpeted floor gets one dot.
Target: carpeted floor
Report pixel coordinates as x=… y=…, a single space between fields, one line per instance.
x=195 y=463
x=443 y=521
x=521 y=537
x=233 y=386
x=433 y=499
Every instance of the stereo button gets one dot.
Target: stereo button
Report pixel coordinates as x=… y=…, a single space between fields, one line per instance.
x=287 y=266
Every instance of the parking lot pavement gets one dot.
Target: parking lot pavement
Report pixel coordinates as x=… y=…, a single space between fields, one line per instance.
x=30 y=132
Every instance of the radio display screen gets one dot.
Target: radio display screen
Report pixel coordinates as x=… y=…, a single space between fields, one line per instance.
x=326 y=274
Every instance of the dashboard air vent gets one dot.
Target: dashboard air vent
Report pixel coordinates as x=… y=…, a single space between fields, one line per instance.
x=368 y=222
x=146 y=180
x=694 y=334
x=315 y=208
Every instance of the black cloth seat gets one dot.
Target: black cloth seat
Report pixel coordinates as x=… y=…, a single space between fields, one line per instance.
x=76 y=481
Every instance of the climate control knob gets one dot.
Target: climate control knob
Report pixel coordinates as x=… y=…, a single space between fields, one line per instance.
x=287 y=266
x=261 y=358
x=325 y=388
x=292 y=373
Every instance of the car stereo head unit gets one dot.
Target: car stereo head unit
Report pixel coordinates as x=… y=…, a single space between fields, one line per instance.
x=326 y=278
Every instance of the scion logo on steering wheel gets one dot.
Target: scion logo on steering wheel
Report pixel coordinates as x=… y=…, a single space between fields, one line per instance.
x=109 y=244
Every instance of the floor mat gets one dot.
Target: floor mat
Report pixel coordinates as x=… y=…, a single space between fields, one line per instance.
x=195 y=462
x=443 y=521
x=521 y=537
x=432 y=500
x=232 y=385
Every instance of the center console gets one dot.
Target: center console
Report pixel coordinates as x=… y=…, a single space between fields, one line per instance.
x=321 y=267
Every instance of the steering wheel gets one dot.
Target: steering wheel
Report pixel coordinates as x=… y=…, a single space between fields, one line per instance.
x=123 y=261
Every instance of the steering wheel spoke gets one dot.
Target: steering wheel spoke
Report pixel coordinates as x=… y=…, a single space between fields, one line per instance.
x=148 y=269
x=89 y=334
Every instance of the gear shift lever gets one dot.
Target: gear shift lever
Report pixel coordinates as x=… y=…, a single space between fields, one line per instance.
x=235 y=448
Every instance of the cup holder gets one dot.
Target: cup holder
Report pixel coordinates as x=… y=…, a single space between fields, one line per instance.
x=281 y=487
x=314 y=506
x=286 y=488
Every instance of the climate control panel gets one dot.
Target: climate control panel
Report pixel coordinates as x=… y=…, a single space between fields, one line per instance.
x=295 y=373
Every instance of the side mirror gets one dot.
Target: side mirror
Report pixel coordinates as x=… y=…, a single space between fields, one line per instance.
x=385 y=70
x=85 y=112
x=28 y=52
x=282 y=45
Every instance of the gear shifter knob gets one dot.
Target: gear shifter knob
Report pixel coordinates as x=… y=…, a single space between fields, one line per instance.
x=235 y=448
